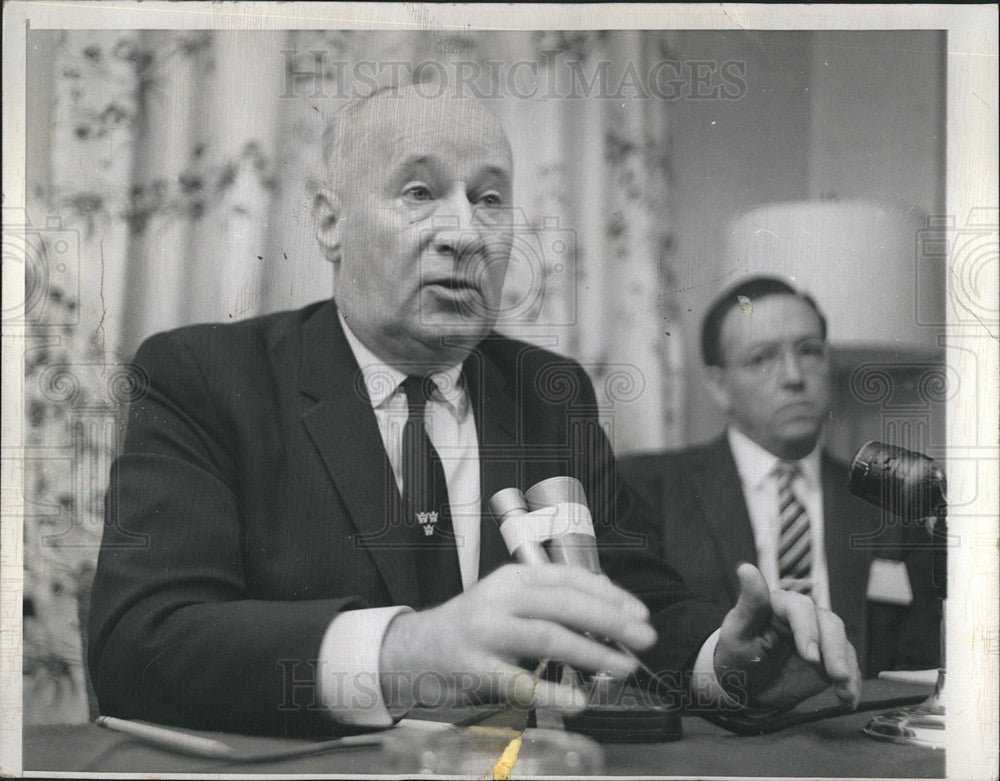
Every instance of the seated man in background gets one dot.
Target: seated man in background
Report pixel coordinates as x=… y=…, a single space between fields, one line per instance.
x=766 y=492
x=297 y=536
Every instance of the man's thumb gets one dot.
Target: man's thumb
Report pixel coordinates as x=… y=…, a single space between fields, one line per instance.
x=753 y=608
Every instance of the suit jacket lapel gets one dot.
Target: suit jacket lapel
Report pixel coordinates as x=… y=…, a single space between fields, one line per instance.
x=343 y=427
x=495 y=415
x=720 y=493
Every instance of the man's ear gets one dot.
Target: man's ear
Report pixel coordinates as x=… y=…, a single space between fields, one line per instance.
x=715 y=379
x=326 y=219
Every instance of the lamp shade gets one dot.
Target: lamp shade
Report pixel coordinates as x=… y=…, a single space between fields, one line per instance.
x=859 y=260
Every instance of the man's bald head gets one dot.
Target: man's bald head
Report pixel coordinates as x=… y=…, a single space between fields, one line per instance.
x=366 y=130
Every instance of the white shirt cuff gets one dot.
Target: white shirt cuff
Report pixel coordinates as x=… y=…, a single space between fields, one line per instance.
x=349 y=684
x=706 y=690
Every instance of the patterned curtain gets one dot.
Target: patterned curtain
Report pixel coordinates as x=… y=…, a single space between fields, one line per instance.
x=169 y=182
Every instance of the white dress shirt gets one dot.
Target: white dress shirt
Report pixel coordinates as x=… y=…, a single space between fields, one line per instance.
x=349 y=653
x=756 y=467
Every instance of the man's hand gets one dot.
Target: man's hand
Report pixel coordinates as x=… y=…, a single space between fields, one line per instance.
x=778 y=648
x=470 y=646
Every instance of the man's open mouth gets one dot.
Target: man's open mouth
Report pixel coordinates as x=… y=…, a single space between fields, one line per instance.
x=455 y=284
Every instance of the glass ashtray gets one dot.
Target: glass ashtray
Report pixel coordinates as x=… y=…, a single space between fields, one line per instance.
x=499 y=752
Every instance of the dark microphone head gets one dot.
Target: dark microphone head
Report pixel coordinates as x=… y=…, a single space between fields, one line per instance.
x=902 y=482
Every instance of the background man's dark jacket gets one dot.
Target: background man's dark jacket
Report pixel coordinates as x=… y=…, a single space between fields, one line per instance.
x=696 y=497
x=249 y=508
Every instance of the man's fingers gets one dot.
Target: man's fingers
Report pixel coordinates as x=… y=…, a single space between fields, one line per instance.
x=584 y=613
x=799 y=612
x=599 y=586
x=521 y=688
x=855 y=686
x=559 y=696
x=849 y=692
x=548 y=640
x=834 y=646
x=753 y=608
x=517 y=686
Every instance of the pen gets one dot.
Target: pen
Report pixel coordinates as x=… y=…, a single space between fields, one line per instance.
x=169 y=739
x=193 y=745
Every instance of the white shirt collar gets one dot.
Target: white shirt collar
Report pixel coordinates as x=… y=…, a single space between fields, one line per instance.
x=382 y=380
x=756 y=465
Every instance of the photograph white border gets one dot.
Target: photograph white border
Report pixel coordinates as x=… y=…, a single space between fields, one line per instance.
x=972 y=189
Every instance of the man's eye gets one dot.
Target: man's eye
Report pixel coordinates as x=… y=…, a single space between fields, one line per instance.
x=417 y=192
x=812 y=349
x=760 y=359
x=491 y=198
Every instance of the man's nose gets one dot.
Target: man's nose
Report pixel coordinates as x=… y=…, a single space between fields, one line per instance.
x=791 y=371
x=458 y=233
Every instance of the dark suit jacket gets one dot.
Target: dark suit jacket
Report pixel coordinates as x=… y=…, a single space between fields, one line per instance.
x=249 y=508
x=697 y=498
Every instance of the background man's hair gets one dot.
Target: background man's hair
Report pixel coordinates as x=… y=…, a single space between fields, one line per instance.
x=755 y=289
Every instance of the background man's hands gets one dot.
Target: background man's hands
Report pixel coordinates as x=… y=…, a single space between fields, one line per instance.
x=778 y=648
x=471 y=645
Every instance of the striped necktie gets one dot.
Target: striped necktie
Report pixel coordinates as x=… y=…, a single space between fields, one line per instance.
x=794 y=542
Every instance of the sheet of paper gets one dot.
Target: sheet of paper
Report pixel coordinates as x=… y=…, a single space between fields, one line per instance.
x=889 y=582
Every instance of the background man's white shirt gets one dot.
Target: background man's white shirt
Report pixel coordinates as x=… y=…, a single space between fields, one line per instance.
x=756 y=466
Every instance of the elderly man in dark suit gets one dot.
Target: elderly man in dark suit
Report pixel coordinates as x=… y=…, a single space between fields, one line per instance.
x=766 y=492
x=297 y=537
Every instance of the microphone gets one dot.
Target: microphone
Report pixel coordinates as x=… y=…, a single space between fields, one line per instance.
x=566 y=536
x=523 y=541
x=900 y=481
x=911 y=486
x=572 y=541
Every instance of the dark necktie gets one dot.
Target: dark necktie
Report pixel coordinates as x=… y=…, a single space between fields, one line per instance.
x=795 y=540
x=425 y=503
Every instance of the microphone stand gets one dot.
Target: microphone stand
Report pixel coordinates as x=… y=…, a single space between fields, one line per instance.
x=923 y=724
